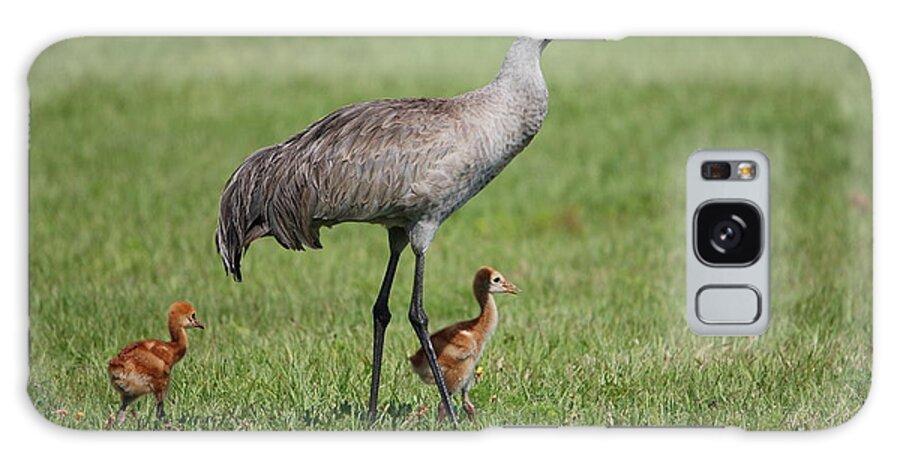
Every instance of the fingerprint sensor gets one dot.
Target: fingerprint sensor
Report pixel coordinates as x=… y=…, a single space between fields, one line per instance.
x=728 y=304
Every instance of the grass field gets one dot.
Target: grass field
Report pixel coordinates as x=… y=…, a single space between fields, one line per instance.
x=133 y=139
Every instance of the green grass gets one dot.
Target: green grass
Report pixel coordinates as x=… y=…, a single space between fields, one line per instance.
x=132 y=140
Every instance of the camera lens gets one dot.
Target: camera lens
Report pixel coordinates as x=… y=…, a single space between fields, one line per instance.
x=728 y=233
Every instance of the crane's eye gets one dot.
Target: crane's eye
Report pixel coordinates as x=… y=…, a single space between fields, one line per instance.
x=497 y=280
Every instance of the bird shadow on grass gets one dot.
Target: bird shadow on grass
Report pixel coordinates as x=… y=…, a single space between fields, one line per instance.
x=343 y=416
x=393 y=415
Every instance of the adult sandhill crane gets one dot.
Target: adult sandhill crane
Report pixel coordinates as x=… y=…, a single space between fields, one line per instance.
x=406 y=164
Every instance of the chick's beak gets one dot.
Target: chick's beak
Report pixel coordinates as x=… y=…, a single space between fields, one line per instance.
x=199 y=324
x=511 y=288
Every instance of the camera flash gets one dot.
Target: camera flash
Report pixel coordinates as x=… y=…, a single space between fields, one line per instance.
x=746 y=170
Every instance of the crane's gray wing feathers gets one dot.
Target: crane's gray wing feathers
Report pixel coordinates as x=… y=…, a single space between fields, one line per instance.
x=359 y=163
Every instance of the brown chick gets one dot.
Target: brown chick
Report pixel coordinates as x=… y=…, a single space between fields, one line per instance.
x=145 y=366
x=460 y=346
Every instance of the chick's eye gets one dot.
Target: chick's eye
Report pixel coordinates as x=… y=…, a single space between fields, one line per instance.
x=497 y=280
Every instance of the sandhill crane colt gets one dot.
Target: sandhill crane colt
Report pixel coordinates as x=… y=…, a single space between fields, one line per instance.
x=459 y=347
x=146 y=366
x=406 y=164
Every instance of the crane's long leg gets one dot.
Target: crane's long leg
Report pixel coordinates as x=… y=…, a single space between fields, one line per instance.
x=382 y=315
x=419 y=321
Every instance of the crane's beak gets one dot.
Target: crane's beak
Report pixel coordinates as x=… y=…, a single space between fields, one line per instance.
x=510 y=287
x=197 y=324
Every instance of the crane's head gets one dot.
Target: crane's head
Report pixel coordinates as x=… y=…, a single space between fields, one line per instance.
x=524 y=47
x=522 y=63
x=182 y=314
x=488 y=279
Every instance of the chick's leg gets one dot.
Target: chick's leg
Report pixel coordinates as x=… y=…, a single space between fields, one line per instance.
x=126 y=400
x=467 y=405
x=160 y=411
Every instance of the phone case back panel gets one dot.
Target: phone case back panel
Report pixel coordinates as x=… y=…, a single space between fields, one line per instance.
x=568 y=182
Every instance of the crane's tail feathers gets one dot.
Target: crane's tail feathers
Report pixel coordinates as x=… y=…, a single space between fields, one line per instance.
x=264 y=198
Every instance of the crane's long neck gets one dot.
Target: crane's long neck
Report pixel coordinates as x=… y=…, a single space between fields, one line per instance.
x=486 y=322
x=518 y=96
x=179 y=339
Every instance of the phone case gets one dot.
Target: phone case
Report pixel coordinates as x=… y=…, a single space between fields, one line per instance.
x=548 y=197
